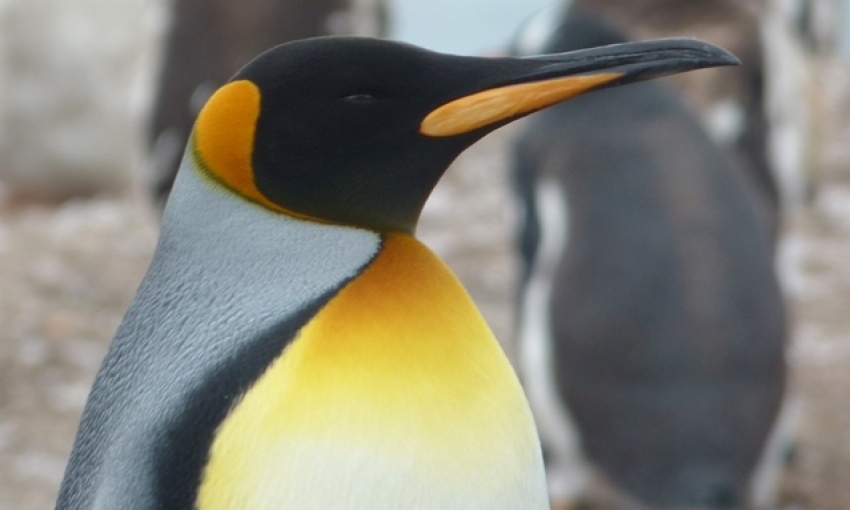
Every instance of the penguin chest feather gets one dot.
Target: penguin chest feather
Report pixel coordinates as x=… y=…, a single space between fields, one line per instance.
x=395 y=395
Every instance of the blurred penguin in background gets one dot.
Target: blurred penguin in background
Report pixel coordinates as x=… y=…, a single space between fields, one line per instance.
x=208 y=40
x=652 y=328
x=730 y=103
x=770 y=109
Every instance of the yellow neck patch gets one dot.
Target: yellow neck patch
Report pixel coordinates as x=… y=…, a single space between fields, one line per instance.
x=394 y=394
x=223 y=139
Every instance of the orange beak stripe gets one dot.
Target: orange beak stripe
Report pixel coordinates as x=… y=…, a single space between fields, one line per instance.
x=493 y=105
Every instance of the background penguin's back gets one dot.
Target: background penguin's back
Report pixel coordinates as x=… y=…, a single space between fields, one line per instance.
x=667 y=322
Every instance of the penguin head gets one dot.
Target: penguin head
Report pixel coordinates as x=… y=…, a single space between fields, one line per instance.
x=357 y=131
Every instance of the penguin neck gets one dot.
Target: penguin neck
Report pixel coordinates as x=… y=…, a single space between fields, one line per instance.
x=226 y=276
x=398 y=374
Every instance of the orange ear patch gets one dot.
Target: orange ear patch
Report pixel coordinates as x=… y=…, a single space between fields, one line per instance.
x=224 y=139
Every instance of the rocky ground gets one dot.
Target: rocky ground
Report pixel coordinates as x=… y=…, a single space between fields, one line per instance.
x=68 y=273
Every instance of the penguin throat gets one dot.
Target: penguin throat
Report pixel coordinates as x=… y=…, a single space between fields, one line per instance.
x=396 y=381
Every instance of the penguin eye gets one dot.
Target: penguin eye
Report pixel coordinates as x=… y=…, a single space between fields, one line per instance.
x=360 y=98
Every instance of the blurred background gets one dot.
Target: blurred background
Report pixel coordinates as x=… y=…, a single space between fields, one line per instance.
x=89 y=130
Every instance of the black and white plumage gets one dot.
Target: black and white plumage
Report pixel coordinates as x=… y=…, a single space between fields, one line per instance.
x=652 y=325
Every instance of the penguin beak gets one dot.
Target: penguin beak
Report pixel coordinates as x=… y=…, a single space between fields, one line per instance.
x=541 y=81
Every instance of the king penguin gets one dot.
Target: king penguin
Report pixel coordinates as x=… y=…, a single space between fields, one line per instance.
x=653 y=329
x=292 y=344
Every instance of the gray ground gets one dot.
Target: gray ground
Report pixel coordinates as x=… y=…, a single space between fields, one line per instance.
x=68 y=273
